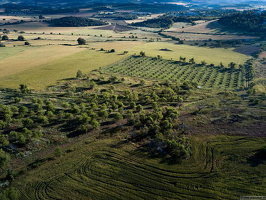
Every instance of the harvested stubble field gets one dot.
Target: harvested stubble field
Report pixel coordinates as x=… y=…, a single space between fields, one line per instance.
x=109 y=169
x=204 y=76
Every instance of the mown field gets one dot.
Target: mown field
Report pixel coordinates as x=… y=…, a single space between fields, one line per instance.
x=205 y=76
x=220 y=168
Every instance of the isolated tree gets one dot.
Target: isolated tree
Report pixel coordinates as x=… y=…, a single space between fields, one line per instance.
x=221 y=65
x=203 y=62
x=26 y=43
x=21 y=38
x=81 y=41
x=142 y=53
x=182 y=59
x=5 y=37
x=192 y=60
x=79 y=74
x=23 y=89
x=159 y=57
x=232 y=65
x=112 y=50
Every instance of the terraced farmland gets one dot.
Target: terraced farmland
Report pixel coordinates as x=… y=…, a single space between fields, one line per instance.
x=100 y=170
x=205 y=75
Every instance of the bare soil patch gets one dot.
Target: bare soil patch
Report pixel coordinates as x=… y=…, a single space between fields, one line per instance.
x=262 y=55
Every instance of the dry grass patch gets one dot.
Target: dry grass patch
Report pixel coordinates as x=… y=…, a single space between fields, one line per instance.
x=34 y=57
x=11 y=51
x=117 y=45
x=43 y=75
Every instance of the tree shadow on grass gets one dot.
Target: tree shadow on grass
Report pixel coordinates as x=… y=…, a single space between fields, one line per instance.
x=258 y=158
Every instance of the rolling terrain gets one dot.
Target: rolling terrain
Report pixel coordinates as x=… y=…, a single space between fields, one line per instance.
x=130 y=112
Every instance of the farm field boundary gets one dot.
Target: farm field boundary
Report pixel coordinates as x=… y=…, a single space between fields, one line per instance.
x=204 y=75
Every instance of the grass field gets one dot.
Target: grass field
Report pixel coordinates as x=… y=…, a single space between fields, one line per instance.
x=33 y=68
x=210 y=55
x=11 y=51
x=43 y=73
x=221 y=168
x=205 y=76
x=33 y=57
x=260 y=85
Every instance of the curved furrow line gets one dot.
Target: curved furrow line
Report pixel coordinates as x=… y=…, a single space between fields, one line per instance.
x=146 y=186
x=153 y=168
x=100 y=176
x=97 y=185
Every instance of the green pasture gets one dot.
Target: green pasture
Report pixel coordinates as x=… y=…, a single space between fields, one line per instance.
x=210 y=55
x=11 y=51
x=44 y=75
x=93 y=31
x=221 y=167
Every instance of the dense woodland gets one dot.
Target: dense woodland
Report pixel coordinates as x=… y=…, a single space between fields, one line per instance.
x=252 y=22
x=76 y=22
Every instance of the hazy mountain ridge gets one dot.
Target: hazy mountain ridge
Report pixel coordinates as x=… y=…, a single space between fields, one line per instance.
x=135 y=1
